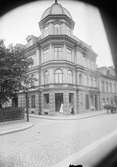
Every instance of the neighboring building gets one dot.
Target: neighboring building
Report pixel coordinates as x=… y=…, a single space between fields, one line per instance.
x=64 y=66
x=107 y=86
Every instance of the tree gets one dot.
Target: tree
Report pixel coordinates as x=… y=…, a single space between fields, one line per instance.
x=13 y=71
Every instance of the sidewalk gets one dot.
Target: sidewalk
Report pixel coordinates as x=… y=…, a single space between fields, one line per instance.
x=14 y=126
x=70 y=117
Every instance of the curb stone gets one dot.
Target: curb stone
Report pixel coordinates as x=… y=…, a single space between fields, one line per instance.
x=13 y=130
x=80 y=116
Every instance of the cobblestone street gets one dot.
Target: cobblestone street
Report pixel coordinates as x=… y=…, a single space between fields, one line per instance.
x=50 y=141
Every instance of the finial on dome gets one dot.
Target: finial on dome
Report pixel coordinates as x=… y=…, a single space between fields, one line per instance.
x=56 y=1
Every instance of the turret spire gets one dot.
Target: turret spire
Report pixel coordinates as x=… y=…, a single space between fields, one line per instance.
x=56 y=1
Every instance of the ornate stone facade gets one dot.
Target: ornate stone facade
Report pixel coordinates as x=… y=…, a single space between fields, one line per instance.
x=68 y=80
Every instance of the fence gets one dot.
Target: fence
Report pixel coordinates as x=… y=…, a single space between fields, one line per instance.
x=11 y=113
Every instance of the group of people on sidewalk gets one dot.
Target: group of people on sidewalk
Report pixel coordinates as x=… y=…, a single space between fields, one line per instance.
x=71 y=108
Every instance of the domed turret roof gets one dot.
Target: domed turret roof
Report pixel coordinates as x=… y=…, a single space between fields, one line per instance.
x=56 y=9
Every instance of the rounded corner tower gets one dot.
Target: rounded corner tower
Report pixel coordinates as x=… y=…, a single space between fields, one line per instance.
x=63 y=65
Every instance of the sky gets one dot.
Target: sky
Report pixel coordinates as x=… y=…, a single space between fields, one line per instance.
x=17 y=24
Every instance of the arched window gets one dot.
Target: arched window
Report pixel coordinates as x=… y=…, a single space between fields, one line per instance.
x=70 y=76
x=46 y=77
x=80 y=79
x=58 y=76
x=57 y=29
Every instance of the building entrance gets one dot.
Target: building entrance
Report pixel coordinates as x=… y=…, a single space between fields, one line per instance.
x=58 y=101
x=87 y=101
x=96 y=102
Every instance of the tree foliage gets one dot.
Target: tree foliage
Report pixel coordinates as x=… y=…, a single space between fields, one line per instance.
x=13 y=68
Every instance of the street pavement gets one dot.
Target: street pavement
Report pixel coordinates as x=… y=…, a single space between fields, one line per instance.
x=51 y=141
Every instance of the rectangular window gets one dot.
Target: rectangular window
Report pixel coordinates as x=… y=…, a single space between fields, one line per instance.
x=45 y=55
x=58 y=102
x=87 y=101
x=69 y=54
x=46 y=100
x=58 y=52
x=71 y=99
x=57 y=29
x=31 y=60
x=33 y=101
x=68 y=31
x=46 y=30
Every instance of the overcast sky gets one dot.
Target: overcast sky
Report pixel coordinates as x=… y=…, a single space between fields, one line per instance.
x=16 y=25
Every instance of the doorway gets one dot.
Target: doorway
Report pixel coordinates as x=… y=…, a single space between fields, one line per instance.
x=58 y=101
x=87 y=101
x=96 y=102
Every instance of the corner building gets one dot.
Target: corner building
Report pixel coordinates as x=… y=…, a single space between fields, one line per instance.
x=64 y=66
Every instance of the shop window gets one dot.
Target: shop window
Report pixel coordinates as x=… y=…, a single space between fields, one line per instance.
x=87 y=101
x=58 y=102
x=46 y=99
x=33 y=101
x=71 y=95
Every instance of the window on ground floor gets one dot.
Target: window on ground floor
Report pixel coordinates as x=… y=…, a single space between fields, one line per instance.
x=46 y=100
x=87 y=101
x=33 y=105
x=58 y=101
x=71 y=98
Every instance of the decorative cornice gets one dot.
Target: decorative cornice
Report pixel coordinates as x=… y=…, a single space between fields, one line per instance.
x=58 y=37
x=57 y=16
